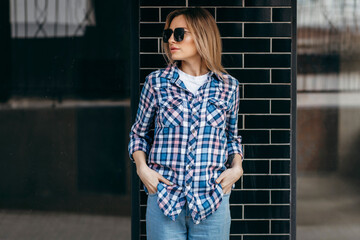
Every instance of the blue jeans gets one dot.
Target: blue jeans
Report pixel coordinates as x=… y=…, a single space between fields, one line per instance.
x=161 y=227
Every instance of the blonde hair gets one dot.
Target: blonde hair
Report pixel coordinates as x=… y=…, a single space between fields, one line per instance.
x=205 y=33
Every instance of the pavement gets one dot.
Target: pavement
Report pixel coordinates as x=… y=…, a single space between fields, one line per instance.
x=37 y=225
x=328 y=207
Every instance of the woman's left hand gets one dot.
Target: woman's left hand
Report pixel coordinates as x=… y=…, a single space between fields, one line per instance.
x=228 y=177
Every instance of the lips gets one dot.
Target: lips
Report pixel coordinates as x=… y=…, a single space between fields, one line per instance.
x=173 y=48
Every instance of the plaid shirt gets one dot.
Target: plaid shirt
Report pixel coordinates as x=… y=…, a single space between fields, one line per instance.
x=194 y=135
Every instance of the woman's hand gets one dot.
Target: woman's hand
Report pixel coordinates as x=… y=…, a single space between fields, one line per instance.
x=228 y=177
x=150 y=178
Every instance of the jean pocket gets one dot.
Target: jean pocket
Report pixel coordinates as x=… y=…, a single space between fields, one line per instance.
x=152 y=194
x=155 y=193
x=222 y=190
x=226 y=194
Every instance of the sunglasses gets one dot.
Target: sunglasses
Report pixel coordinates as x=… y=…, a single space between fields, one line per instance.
x=178 y=34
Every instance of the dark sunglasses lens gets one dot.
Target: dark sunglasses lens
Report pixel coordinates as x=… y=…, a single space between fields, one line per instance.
x=167 y=34
x=179 y=34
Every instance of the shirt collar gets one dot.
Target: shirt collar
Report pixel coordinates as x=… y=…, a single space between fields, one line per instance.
x=171 y=72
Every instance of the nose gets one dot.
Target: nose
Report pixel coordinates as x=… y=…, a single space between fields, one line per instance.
x=171 y=39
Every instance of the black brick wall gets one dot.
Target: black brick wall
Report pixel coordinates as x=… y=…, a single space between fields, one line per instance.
x=259 y=49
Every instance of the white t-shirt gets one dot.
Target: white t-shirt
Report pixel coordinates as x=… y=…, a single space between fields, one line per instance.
x=193 y=83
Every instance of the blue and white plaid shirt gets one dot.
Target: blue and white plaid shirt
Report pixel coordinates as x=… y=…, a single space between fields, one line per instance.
x=193 y=136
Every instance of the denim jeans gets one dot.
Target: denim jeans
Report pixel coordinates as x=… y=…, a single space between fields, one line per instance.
x=161 y=227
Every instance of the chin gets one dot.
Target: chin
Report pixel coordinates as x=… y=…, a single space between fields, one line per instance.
x=176 y=58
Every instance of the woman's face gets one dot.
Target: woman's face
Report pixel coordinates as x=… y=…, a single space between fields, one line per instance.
x=186 y=49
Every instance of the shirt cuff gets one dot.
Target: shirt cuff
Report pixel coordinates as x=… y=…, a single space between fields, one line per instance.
x=230 y=160
x=138 y=144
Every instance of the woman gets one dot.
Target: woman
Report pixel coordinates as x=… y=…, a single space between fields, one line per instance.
x=194 y=156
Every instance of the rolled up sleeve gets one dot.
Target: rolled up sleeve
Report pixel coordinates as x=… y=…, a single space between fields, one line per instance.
x=233 y=139
x=140 y=136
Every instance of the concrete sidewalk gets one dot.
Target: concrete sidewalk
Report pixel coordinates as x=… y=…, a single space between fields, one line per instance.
x=328 y=207
x=23 y=225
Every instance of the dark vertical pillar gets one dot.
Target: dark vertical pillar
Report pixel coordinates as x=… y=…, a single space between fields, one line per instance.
x=5 y=49
x=293 y=118
x=135 y=93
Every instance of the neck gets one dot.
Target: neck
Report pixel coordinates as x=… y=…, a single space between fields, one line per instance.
x=194 y=68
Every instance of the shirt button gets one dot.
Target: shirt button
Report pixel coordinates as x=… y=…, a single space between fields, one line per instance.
x=190 y=148
x=188 y=184
x=188 y=167
x=190 y=98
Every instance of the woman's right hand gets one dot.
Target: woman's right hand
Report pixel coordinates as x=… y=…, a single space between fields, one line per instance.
x=150 y=178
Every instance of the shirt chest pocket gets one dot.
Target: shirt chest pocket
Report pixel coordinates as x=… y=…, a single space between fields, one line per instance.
x=171 y=112
x=216 y=112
